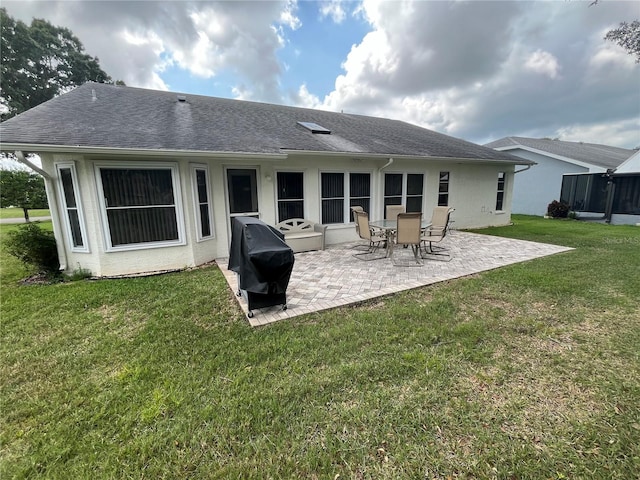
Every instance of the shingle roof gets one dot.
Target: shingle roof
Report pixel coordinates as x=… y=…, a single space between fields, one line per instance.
x=595 y=154
x=109 y=116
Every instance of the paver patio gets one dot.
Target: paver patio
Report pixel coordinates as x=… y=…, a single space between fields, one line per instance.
x=334 y=277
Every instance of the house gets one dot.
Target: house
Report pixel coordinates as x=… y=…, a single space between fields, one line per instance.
x=535 y=188
x=142 y=181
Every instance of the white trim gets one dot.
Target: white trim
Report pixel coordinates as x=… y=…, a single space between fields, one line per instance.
x=554 y=156
x=63 y=203
x=78 y=149
x=194 y=167
x=177 y=194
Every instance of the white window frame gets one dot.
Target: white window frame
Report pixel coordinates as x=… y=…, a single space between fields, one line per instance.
x=346 y=214
x=405 y=182
x=503 y=191
x=277 y=192
x=175 y=180
x=196 y=202
x=63 y=202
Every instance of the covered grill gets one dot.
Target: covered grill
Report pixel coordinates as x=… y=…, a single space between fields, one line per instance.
x=262 y=261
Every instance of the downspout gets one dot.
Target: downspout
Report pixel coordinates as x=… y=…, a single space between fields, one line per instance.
x=50 y=188
x=386 y=165
x=523 y=170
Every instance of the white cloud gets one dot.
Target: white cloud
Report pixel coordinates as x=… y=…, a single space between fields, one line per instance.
x=543 y=62
x=334 y=10
x=624 y=132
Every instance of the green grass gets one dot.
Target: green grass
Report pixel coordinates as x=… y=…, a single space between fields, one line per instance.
x=18 y=213
x=528 y=371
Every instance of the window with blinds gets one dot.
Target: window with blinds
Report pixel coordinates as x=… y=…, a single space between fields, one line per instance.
x=140 y=205
x=200 y=177
x=73 y=218
x=290 y=195
x=340 y=191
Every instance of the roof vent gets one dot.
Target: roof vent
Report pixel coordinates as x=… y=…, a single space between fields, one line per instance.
x=182 y=98
x=314 y=127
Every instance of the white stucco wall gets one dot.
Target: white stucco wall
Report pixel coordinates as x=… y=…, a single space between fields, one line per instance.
x=472 y=190
x=536 y=188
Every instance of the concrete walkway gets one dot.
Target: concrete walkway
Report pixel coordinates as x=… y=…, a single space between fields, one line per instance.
x=334 y=277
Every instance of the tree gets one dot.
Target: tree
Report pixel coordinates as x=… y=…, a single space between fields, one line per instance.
x=22 y=189
x=627 y=35
x=40 y=61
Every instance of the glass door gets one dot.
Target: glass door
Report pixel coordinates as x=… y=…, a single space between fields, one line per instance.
x=242 y=189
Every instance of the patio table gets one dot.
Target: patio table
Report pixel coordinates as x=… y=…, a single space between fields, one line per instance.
x=390 y=227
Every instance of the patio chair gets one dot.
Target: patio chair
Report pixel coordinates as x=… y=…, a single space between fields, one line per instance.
x=409 y=233
x=392 y=211
x=375 y=237
x=436 y=233
x=354 y=210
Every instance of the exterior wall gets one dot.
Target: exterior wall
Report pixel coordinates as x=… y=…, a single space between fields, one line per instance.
x=472 y=192
x=536 y=188
x=620 y=219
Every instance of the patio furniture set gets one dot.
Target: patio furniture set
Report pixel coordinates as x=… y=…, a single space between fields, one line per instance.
x=405 y=229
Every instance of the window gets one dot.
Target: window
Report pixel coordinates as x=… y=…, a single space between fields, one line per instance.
x=500 y=195
x=74 y=221
x=140 y=206
x=335 y=187
x=404 y=189
x=290 y=195
x=200 y=176
x=443 y=189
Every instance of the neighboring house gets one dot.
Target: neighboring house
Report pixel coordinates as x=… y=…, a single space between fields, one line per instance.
x=535 y=188
x=141 y=180
x=613 y=196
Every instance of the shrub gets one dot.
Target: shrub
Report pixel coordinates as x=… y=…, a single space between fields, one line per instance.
x=558 y=209
x=35 y=247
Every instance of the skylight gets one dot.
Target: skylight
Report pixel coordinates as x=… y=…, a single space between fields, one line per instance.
x=314 y=127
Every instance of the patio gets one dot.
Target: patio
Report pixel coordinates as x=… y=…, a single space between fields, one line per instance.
x=334 y=277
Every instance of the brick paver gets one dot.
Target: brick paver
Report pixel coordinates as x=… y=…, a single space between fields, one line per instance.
x=335 y=277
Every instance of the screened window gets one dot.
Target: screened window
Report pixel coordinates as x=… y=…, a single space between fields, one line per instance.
x=443 y=189
x=341 y=191
x=69 y=189
x=627 y=195
x=202 y=201
x=404 y=189
x=584 y=193
x=290 y=195
x=500 y=195
x=140 y=205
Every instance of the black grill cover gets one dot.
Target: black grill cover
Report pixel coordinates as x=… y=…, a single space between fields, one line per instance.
x=259 y=255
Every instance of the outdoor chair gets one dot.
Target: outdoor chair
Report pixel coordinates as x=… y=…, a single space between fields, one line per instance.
x=375 y=237
x=436 y=233
x=409 y=233
x=392 y=211
x=354 y=210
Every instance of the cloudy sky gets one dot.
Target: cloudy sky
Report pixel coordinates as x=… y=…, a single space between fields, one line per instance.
x=477 y=70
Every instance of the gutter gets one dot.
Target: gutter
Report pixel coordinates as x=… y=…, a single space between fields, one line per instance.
x=50 y=188
x=79 y=149
x=523 y=169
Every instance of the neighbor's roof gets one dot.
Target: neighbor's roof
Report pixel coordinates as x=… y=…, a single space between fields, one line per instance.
x=603 y=156
x=110 y=116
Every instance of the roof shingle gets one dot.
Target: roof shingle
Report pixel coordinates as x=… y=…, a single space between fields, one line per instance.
x=110 y=116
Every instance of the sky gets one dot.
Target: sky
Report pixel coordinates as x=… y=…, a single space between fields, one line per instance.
x=477 y=70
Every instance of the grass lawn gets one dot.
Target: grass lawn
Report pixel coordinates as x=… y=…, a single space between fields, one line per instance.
x=528 y=371
x=18 y=213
